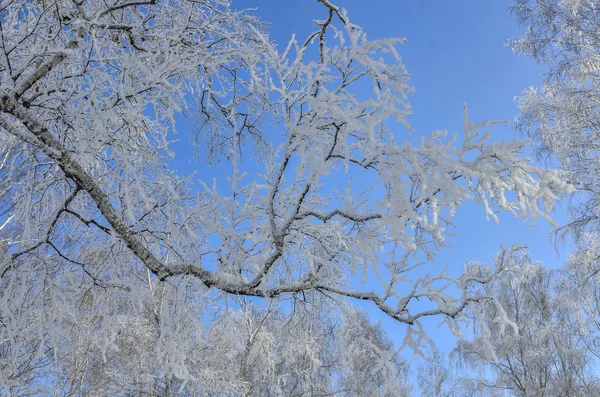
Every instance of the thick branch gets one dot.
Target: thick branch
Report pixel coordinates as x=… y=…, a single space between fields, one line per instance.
x=43 y=70
x=325 y=216
x=55 y=150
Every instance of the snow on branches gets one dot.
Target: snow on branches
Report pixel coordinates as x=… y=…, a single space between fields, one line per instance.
x=92 y=92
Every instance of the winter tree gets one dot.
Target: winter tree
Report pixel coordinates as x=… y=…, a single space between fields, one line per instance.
x=97 y=222
x=250 y=351
x=443 y=375
x=580 y=290
x=546 y=349
x=563 y=114
x=435 y=377
x=562 y=118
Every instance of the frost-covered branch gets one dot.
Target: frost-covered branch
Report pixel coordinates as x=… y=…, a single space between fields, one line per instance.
x=316 y=191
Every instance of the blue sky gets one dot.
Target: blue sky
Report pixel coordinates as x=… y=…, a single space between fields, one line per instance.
x=455 y=51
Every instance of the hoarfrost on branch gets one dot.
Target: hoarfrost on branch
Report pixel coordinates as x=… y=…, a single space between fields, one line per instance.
x=91 y=94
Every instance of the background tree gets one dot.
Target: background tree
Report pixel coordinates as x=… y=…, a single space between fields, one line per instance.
x=544 y=352
x=435 y=378
x=92 y=92
x=250 y=351
x=563 y=116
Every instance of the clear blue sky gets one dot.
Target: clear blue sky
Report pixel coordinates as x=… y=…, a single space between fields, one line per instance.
x=455 y=52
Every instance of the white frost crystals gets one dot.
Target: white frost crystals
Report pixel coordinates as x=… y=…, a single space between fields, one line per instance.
x=90 y=94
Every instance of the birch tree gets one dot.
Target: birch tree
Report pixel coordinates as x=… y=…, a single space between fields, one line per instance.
x=92 y=93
